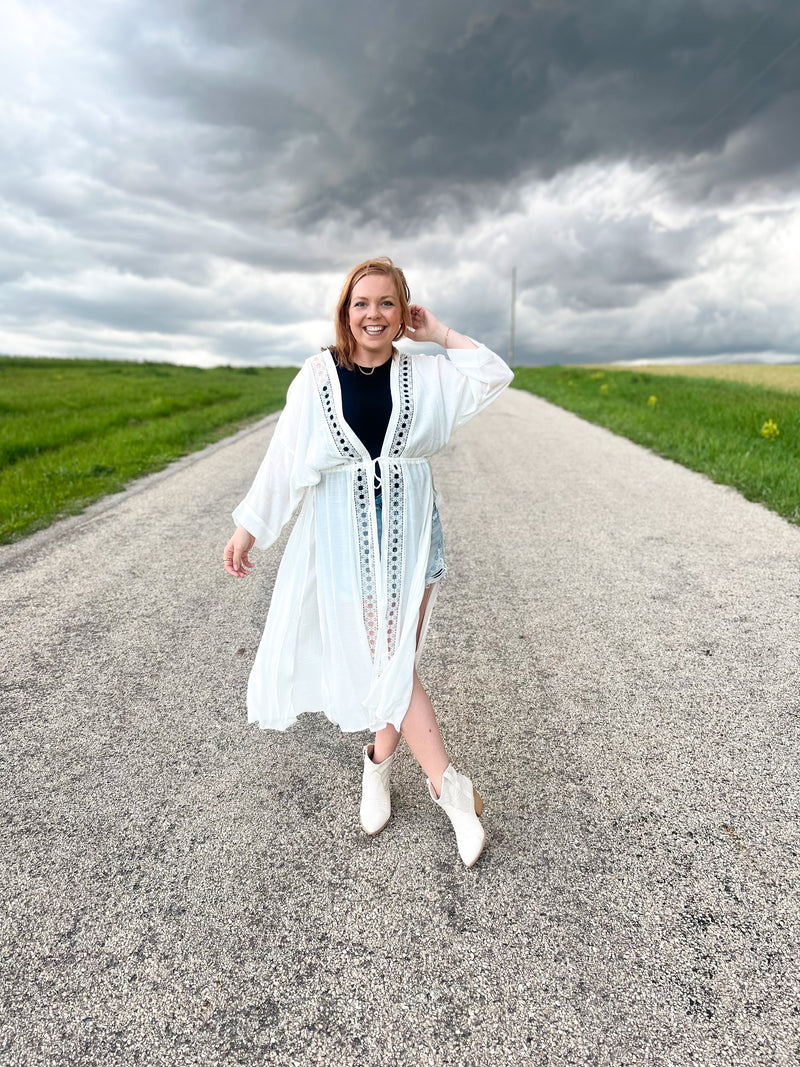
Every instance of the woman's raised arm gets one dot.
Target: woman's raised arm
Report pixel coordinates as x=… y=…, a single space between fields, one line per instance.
x=427 y=327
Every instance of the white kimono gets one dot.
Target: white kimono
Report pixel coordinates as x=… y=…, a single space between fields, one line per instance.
x=341 y=630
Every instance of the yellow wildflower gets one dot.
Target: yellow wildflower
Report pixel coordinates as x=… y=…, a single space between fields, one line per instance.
x=652 y=401
x=604 y=389
x=770 y=430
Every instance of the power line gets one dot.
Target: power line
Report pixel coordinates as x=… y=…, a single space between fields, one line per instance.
x=729 y=104
x=719 y=66
x=744 y=89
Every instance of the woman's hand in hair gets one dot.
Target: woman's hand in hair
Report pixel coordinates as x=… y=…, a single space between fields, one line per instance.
x=425 y=325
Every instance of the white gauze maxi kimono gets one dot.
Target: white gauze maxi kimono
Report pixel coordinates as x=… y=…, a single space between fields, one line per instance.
x=341 y=630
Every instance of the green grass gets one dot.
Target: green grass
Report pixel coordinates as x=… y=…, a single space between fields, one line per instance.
x=72 y=431
x=709 y=425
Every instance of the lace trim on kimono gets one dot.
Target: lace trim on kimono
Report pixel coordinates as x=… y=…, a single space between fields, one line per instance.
x=406 y=415
x=394 y=496
x=361 y=504
x=325 y=389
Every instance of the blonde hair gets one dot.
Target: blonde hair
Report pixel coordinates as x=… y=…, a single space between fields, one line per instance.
x=344 y=349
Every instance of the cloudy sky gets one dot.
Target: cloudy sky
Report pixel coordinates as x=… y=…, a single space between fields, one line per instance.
x=189 y=180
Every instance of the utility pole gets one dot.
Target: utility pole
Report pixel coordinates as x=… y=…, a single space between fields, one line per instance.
x=513 y=315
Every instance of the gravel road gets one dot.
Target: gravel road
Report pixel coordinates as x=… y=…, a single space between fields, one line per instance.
x=614 y=657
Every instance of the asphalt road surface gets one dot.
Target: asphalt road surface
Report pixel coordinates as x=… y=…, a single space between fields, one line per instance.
x=614 y=659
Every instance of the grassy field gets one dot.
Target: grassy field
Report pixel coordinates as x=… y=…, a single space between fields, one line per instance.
x=747 y=436
x=73 y=430
x=784 y=376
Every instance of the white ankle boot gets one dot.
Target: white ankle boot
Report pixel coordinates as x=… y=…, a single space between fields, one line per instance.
x=376 y=805
x=463 y=805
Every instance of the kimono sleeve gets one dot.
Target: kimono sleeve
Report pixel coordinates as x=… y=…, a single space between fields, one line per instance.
x=471 y=379
x=284 y=474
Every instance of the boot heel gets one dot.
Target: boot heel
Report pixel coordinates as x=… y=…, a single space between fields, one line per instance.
x=478 y=802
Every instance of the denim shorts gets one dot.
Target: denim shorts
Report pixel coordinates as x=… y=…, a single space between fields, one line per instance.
x=436 y=566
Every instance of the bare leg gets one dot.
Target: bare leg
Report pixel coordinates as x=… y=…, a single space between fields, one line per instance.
x=419 y=728
x=421 y=731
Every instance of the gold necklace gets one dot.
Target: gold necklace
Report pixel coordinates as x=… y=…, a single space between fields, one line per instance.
x=372 y=369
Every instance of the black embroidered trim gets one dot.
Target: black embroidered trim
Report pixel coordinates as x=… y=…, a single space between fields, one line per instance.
x=405 y=417
x=395 y=556
x=369 y=589
x=394 y=504
x=340 y=439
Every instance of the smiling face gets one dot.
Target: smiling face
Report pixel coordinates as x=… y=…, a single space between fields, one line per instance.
x=374 y=316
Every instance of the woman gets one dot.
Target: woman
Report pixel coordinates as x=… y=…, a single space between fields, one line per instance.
x=360 y=573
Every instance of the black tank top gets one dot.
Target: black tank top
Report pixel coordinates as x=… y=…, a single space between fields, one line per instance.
x=367 y=404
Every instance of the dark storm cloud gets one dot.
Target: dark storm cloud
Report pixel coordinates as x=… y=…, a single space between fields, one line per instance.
x=379 y=108
x=167 y=167
x=442 y=93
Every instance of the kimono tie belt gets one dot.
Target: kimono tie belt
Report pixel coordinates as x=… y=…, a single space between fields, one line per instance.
x=379 y=466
